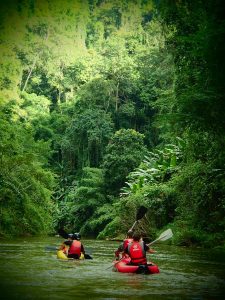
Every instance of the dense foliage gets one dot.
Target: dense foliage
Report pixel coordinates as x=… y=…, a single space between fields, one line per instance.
x=25 y=182
x=109 y=105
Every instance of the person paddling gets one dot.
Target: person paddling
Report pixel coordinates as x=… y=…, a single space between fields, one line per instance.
x=76 y=248
x=137 y=250
x=124 y=245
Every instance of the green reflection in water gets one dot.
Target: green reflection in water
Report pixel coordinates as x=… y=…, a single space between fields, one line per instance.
x=29 y=271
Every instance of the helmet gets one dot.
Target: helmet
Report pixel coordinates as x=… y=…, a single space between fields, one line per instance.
x=76 y=236
x=70 y=235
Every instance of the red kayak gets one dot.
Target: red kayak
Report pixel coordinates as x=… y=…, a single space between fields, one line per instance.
x=124 y=266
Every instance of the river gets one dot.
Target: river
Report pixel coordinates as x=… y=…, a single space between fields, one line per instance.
x=29 y=269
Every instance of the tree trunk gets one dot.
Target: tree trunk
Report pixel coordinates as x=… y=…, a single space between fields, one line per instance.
x=29 y=74
x=117 y=96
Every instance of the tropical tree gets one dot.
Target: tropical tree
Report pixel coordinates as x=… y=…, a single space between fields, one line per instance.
x=82 y=202
x=124 y=152
x=86 y=138
x=157 y=167
x=25 y=182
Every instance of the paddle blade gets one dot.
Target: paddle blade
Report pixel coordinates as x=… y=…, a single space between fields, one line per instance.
x=51 y=248
x=165 y=235
x=141 y=212
x=139 y=215
x=87 y=256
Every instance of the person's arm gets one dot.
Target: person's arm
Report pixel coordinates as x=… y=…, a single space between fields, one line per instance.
x=126 y=250
x=149 y=250
x=119 y=250
x=82 y=249
x=62 y=246
x=65 y=246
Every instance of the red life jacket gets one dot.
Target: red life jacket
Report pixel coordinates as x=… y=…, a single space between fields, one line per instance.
x=75 y=248
x=126 y=242
x=137 y=253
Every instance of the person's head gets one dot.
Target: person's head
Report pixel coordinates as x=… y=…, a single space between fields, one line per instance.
x=136 y=237
x=70 y=236
x=130 y=234
x=76 y=236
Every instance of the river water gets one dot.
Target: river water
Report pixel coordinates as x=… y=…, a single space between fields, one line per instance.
x=29 y=269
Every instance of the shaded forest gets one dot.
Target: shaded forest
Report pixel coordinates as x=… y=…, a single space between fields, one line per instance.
x=108 y=105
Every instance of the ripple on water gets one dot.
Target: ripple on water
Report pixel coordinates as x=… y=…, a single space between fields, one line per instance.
x=28 y=271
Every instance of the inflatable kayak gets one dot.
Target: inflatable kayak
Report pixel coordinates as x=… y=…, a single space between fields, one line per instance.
x=124 y=266
x=62 y=255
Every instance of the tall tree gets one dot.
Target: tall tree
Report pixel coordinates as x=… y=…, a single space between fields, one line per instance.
x=124 y=152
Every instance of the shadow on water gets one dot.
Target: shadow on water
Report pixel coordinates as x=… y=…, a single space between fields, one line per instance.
x=29 y=269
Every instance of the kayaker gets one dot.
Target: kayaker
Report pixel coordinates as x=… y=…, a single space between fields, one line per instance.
x=76 y=248
x=137 y=250
x=124 y=245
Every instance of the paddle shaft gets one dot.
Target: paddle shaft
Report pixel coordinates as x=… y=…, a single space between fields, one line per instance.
x=153 y=242
x=133 y=226
x=115 y=263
